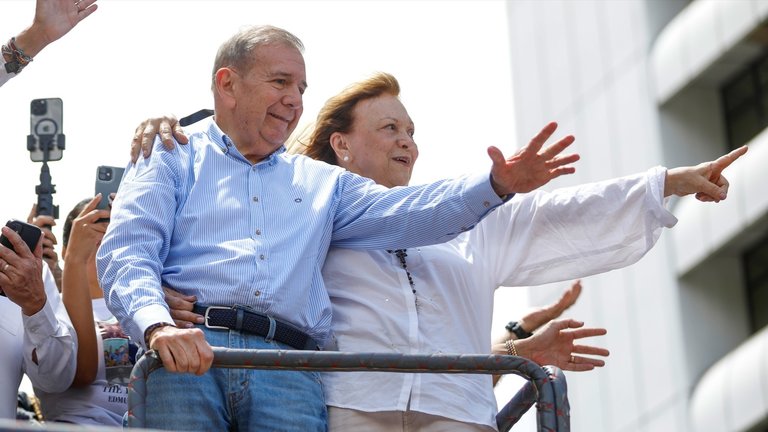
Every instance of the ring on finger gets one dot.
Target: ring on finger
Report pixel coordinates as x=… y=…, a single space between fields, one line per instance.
x=5 y=267
x=573 y=359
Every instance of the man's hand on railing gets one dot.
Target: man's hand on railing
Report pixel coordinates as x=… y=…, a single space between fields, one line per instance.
x=181 y=350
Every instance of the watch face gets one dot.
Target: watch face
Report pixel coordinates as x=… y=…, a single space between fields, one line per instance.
x=519 y=331
x=511 y=326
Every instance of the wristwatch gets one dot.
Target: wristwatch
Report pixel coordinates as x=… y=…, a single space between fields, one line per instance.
x=514 y=327
x=148 y=332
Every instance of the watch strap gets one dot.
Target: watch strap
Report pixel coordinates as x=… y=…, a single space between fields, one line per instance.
x=515 y=328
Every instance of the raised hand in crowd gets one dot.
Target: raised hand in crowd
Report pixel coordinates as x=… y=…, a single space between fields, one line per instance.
x=53 y=19
x=80 y=257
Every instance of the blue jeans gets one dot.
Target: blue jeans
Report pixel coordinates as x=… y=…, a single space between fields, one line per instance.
x=236 y=399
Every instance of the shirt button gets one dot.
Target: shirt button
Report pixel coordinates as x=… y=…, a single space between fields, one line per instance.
x=255 y=199
x=486 y=204
x=253 y=168
x=258 y=232
x=261 y=256
x=257 y=293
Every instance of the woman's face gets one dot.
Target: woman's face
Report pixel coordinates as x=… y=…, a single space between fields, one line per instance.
x=380 y=144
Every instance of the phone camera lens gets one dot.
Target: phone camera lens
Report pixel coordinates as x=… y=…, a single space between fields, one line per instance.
x=39 y=107
x=105 y=174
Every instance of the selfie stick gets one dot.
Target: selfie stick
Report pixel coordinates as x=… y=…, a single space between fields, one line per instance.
x=45 y=189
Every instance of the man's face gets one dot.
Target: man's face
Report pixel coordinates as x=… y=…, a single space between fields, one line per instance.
x=269 y=98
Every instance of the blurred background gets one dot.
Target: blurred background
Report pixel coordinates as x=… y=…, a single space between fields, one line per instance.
x=638 y=82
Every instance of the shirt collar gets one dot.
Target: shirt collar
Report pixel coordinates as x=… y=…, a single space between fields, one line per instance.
x=227 y=146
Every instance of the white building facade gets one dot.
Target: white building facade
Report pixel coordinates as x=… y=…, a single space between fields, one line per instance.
x=662 y=82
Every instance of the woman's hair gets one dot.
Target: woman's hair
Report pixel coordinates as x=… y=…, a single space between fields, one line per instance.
x=336 y=115
x=236 y=51
x=71 y=219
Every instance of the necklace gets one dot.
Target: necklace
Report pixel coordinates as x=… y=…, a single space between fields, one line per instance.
x=401 y=254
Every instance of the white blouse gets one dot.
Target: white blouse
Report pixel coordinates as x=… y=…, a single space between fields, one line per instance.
x=534 y=239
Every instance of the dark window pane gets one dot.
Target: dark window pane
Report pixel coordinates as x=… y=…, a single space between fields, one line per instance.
x=743 y=125
x=759 y=306
x=739 y=92
x=762 y=72
x=745 y=103
x=756 y=270
x=756 y=262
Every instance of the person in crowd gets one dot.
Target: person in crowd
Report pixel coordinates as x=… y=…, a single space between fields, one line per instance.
x=37 y=337
x=439 y=298
x=53 y=19
x=105 y=355
x=234 y=220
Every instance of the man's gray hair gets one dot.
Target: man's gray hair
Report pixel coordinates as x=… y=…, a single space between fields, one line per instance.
x=236 y=51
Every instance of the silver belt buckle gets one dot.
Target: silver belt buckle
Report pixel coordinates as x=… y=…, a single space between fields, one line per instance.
x=208 y=310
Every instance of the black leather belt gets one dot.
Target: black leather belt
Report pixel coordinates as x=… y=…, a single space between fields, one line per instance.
x=224 y=317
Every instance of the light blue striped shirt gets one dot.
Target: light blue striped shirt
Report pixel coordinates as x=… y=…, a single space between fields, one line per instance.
x=205 y=221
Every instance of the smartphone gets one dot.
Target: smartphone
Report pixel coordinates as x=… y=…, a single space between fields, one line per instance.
x=46 y=129
x=28 y=232
x=107 y=181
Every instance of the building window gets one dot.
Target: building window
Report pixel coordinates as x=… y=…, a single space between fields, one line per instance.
x=756 y=271
x=745 y=99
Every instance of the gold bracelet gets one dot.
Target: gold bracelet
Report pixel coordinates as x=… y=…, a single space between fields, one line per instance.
x=511 y=349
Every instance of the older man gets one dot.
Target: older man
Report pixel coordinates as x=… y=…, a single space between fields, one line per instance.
x=245 y=227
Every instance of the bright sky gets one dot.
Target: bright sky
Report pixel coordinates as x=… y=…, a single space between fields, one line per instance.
x=135 y=58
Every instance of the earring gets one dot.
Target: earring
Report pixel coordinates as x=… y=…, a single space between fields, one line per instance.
x=345 y=158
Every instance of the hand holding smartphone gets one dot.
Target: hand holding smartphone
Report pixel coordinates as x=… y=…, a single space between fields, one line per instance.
x=28 y=232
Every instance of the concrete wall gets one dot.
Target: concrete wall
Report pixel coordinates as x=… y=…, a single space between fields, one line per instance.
x=585 y=64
